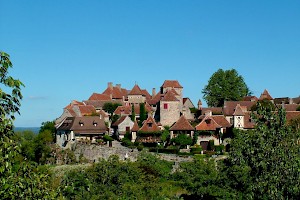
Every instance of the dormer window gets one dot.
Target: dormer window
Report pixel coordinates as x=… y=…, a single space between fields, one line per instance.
x=95 y=123
x=81 y=123
x=149 y=124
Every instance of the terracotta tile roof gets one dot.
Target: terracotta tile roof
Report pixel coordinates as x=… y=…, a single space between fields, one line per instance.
x=123 y=110
x=135 y=127
x=72 y=112
x=169 y=96
x=182 y=124
x=119 y=121
x=100 y=97
x=126 y=110
x=292 y=115
x=174 y=91
x=229 y=106
x=74 y=102
x=136 y=90
x=155 y=99
x=289 y=107
x=214 y=110
x=248 y=123
x=207 y=124
x=146 y=94
x=296 y=100
x=221 y=120
x=84 y=125
x=149 y=125
x=115 y=92
x=250 y=98
x=239 y=111
x=171 y=83
x=265 y=95
x=87 y=109
x=96 y=103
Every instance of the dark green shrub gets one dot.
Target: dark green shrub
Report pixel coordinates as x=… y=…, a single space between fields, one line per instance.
x=211 y=145
x=107 y=138
x=219 y=149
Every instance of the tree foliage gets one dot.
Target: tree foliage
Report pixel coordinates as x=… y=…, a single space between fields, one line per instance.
x=264 y=163
x=110 y=107
x=224 y=86
x=20 y=179
x=182 y=140
x=143 y=114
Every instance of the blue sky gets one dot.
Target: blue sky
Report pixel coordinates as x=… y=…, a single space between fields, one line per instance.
x=65 y=50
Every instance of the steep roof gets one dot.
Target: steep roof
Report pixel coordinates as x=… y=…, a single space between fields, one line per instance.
x=171 y=83
x=248 y=122
x=169 y=96
x=207 y=124
x=229 y=106
x=149 y=125
x=87 y=109
x=136 y=90
x=116 y=92
x=119 y=121
x=238 y=111
x=74 y=102
x=135 y=127
x=155 y=99
x=127 y=109
x=146 y=94
x=182 y=124
x=265 y=95
x=292 y=115
x=214 y=110
x=221 y=120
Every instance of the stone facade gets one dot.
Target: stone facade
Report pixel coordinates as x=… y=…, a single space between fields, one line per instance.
x=169 y=112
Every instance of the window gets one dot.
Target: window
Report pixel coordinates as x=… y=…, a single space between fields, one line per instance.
x=165 y=106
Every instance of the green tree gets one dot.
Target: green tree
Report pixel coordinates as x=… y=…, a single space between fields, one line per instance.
x=224 y=86
x=19 y=178
x=182 y=140
x=143 y=114
x=110 y=107
x=132 y=113
x=264 y=163
x=50 y=126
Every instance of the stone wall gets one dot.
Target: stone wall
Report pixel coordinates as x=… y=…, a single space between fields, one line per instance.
x=170 y=115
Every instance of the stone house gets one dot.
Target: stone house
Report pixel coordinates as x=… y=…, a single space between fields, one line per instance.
x=80 y=128
x=149 y=132
x=122 y=126
x=169 y=109
x=181 y=126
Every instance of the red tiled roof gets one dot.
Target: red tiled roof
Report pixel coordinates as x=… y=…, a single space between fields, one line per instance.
x=117 y=93
x=100 y=97
x=136 y=90
x=103 y=113
x=149 y=125
x=74 y=102
x=250 y=98
x=119 y=121
x=87 y=109
x=135 y=127
x=155 y=99
x=182 y=124
x=292 y=115
x=221 y=120
x=169 y=96
x=238 y=111
x=207 y=124
x=146 y=94
x=248 y=123
x=127 y=109
x=214 y=110
x=265 y=95
x=71 y=111
x=289 y=107
x=171 y=83
x=229 y=106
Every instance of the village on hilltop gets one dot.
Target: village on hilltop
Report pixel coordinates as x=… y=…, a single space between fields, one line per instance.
x=164 y=109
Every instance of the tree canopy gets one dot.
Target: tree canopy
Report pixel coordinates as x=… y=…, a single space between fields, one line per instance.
x=224 y=85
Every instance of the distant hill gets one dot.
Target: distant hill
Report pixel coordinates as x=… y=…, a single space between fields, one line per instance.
x=33 y=129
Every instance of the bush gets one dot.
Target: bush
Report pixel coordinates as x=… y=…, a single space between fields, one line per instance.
x=211 y=145
x=219 y=149
x=127 y=143
x=107 y=138
x=196 y=150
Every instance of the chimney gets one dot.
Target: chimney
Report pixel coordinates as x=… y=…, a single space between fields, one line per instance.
x=153 y=92
x=199 y=105
x=110 y=85
x=118 y=86
x=282 y=104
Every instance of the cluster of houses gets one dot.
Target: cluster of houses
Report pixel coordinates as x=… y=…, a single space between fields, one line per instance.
x=167 y=108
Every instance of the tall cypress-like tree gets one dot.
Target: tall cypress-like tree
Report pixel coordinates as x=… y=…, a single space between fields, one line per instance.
x=143 y=114
x=132 y=113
